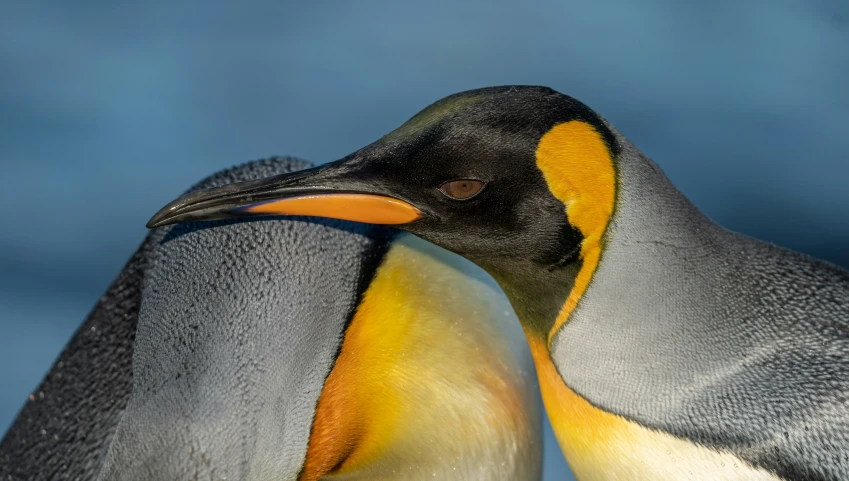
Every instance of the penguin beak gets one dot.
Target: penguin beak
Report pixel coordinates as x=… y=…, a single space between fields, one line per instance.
x=331 y=191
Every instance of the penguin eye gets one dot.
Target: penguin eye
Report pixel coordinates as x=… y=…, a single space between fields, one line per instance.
x=461 y=189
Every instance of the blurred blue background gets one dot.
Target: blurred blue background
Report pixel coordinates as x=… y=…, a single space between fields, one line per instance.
x=108 y=110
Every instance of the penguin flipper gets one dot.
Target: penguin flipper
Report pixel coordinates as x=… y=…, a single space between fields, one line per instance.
x=67 y=423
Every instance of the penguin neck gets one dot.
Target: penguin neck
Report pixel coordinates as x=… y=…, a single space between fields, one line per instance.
x=588 y=349
x=624 y=204
x=650 y=216
x=661 y=258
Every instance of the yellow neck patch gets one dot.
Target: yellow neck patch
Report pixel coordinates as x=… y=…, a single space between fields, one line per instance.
x=578 y=168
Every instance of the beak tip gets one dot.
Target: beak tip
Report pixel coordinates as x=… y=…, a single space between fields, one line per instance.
x=154 y=222
x=161 y=218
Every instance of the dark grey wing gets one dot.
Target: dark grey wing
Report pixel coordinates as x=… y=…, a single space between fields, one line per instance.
x=64 y=429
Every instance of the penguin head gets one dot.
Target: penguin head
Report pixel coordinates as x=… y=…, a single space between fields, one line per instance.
x=504 y=176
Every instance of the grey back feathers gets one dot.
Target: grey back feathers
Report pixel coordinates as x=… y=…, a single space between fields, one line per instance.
x=711 y=335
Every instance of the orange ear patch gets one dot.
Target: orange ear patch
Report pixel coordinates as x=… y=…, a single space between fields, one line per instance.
x=578 y=168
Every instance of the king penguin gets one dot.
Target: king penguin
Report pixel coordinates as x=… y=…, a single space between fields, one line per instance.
x=291 y=349
x=666 y=346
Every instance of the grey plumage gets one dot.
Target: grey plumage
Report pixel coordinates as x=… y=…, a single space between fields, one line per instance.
x=711 y=335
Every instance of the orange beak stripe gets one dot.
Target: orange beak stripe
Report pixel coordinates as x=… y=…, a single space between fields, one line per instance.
x=367 y=208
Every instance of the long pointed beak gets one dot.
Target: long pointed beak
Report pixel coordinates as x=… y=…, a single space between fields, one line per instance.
x=315 y=192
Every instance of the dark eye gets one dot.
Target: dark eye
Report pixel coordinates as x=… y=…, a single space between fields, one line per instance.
x=461 y=189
